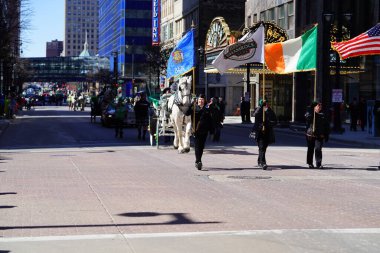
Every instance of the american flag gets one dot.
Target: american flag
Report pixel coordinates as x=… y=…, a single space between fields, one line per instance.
x=367 y=43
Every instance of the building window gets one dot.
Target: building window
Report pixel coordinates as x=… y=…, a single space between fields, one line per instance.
x=170 y=34
x=290 y=15
x=254 y=18
x=281 y=16
x=262 y=16
x=270 y=15
x=249 y=21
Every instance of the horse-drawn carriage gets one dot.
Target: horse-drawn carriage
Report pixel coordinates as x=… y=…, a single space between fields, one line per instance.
x=172 y=117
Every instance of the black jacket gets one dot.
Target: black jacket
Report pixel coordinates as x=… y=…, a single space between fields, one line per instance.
x=322 y=127
x=142 y=109
x=264 y=129
x=203 y=120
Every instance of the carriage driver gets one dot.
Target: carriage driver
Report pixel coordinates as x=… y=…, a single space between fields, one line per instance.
x=203 y=125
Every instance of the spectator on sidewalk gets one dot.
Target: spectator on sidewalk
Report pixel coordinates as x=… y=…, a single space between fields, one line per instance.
x=120 y=112
x=353 y=114
x=142 y=116
x=243 y=110
x=317 y=132
x=362 y=113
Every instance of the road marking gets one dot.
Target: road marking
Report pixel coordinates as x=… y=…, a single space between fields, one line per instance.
x=191 y=234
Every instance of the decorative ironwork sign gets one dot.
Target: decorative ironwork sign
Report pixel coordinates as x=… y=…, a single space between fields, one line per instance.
x=273 y=33
x=217 y=35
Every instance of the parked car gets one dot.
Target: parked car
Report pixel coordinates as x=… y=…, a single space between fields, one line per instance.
x=108 y=116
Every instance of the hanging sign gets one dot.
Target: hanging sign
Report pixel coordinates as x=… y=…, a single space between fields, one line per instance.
x=156 y=22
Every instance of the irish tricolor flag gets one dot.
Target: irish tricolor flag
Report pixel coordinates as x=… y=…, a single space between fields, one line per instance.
x=299 y=54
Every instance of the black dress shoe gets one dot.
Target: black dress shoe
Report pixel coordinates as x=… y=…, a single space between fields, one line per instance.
x=319 y=166
x=311 y=166
x=198 y=165
x=265 y=167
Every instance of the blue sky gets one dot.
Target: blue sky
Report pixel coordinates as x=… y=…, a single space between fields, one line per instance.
x=46 y=24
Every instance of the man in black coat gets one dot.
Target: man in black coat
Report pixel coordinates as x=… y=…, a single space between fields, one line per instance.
x=141 y=109
x=264 y=131
x=203 y=125
x=317 y=132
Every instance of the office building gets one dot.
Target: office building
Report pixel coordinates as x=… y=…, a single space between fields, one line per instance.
x=81 y=17
x=54 y=48
x=124 y=35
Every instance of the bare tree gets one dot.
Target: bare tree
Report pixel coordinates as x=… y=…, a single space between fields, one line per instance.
x=14 y=18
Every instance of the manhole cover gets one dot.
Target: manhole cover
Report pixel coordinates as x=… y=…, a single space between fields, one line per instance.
x=248 y=177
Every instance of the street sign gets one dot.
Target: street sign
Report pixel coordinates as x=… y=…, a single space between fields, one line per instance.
x=337 y=96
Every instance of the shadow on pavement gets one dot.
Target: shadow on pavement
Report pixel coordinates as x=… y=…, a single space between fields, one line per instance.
x=178 y=218
x=5 y=207
x=325 y=167
x=7 y=193
x=229 y=169
x=229 y=151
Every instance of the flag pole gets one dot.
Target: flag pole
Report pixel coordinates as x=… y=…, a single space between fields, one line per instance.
x=263 y=96
x=193 y=123
x=315 y=97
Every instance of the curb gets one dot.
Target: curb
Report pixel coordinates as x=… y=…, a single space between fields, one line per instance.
x=3 y=126
x=295 y=131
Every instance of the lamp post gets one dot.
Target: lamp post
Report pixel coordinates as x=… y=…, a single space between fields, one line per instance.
x=115 y=65
x=336 y=101
x=1 y=77
x=201 y=54
x=132 y=46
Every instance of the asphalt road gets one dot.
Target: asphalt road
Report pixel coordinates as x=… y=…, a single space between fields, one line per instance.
x=67 y=185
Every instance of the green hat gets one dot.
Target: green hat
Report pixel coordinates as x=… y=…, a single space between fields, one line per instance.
x=262 y=102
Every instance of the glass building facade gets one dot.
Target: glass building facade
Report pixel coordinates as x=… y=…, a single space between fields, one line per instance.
x=64 y=69
x=124 y=34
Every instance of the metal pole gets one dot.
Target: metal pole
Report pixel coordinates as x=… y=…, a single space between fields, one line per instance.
x=133 y=63
x=1 y=77
x=337 y=121
x=263 y=96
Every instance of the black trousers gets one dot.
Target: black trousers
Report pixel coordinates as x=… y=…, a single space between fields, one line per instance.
x=314 y=144
x=262 y=143
x=119 y=128
x=199 y=145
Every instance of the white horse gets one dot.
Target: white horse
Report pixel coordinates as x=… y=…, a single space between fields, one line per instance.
x=180 y=105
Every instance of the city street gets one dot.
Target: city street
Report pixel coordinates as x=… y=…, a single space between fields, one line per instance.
x=67 y=185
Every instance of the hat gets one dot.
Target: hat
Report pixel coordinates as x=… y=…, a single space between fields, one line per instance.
x=262 y=102
x=314 y=103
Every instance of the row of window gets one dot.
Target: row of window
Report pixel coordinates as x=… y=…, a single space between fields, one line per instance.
x=69 y=13
x=76 y=35
x=166 y=8
x=79 y=47
x=75 y=8
x=88 y=2
x=184 y=24
x=283 y=15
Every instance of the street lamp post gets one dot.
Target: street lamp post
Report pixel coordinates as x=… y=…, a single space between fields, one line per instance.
x=1 y=77
x=115 y=65
x=329 y=18
x=132 y=46
x=201 y=54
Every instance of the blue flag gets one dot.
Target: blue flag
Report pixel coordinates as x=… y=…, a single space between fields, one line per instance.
x=182 y=59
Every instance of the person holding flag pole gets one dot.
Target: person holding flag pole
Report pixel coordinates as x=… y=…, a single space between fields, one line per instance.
x=295 y=55
x=181 y=62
